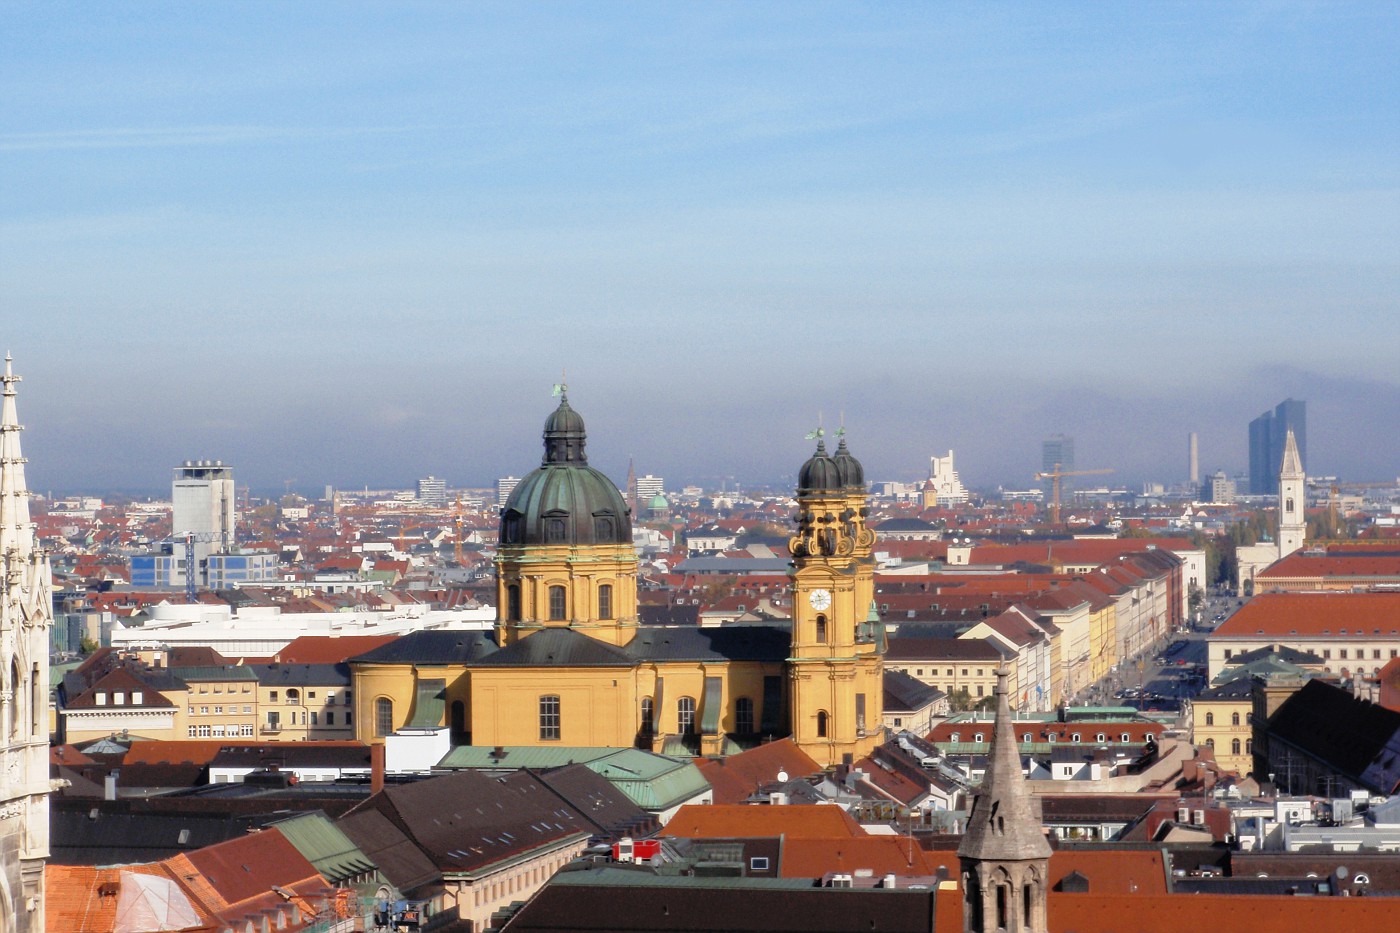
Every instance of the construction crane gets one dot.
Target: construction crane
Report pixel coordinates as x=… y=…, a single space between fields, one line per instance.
x=192 y=563
x=1334 y=494
x=457 y=523
x=1055 y=476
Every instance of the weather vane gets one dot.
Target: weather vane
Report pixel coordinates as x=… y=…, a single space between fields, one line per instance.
x=562 y=386
x=820 y=431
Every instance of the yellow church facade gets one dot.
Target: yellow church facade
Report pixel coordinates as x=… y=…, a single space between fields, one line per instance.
x=569 y=663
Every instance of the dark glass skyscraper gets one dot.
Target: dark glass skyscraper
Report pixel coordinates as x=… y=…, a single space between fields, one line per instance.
x=1267 y=434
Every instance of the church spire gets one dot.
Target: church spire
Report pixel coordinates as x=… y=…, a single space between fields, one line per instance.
x=1004 y=854
x=1004 y=823
x=1292 y=461
x=16 y=530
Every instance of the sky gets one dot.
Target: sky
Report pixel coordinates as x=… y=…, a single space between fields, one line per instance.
x=357 y=243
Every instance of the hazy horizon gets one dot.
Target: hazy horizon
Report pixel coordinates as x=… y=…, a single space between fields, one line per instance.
x=355 y=244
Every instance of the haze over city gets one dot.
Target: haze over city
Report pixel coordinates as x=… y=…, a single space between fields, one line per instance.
x=356 y=244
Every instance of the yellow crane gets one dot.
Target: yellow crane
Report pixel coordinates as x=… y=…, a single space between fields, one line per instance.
x=1055 y=476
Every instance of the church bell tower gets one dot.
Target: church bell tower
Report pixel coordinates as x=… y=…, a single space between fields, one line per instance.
x=1292 y=501
x=837 y=656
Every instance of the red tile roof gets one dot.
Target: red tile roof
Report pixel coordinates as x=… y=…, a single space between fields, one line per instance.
x=732 y=821
x=328 y=649
x=1279 y=615
x=736 y=777
x=900 y=856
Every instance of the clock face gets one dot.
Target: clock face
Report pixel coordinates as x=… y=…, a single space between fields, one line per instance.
x=820 y=599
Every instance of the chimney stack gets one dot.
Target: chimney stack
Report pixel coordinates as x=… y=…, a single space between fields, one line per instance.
x=376 y=768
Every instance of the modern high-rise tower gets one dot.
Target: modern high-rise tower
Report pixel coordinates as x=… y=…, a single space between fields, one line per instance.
x=1057 y=452
x=1267 y=436
x=202 y=503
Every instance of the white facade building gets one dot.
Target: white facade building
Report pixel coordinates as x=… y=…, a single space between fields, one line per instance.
x=946 y=485
x=262 y=631
x=26 y=614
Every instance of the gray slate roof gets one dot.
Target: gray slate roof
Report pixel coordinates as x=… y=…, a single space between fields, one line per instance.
x=558 y=647
x=433 y=647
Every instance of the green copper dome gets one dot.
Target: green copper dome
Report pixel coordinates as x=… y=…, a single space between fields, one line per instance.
x=565 y=501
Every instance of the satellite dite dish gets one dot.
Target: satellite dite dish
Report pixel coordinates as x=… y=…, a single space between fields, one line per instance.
x=782 y=777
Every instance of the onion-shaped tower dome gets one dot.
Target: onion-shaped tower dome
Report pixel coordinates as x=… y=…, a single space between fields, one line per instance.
x=820 y=473
x=851 y=472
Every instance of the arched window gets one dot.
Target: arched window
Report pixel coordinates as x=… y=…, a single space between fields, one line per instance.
x=821 y=630
x=17 y=692
x=978 y=737
x=293 y=697
x=458 y=721
x=549 y=718
x=743 y=716
x=1076 y=738
x=1210 y=719
x=1210 y=744
x=605 y=607
x=383 y=716
x=513 y=602
x=1234 y=746
x=36 y=702
x=1234 y=719
x=685 y=715
x=822 y=724
x=1100 y=737
x=558 y=603
x=648 y=716
x=1249 y=746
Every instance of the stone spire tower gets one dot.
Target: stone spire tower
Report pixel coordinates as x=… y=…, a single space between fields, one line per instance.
x=836 y=663
x=1005 y=857
x=26 y=614
x=1292 y=501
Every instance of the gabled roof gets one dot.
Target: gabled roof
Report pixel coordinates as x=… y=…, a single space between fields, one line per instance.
x=727 y=642
x=1359 y=739
x=736 y=777
x=302 y=675
x=1281 y=615
x=325 y=845
x=915 y=648
x=328 y=649
x=432 y=647
x=558 y=647
x=737 y=821
x=906 y=694
x=900 y=856
x=465 y=821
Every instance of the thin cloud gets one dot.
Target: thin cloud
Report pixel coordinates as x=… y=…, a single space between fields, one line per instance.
x=161 y=137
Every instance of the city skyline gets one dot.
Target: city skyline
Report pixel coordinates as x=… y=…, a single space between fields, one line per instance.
x=355 y=244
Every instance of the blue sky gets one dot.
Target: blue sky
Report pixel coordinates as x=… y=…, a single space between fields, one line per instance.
x=355 y=243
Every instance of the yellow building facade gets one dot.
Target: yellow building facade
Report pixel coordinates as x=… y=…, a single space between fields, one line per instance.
x=568 y=662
